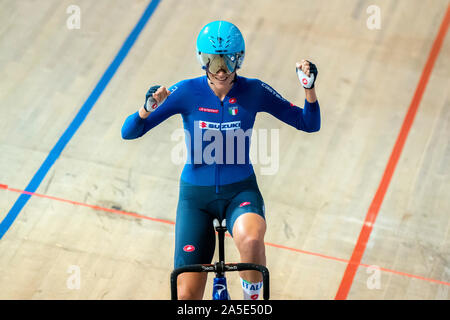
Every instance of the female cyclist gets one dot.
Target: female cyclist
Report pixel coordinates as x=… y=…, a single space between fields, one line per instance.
x=218 y=180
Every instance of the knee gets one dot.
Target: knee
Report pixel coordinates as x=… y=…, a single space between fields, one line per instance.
x=191 y=286
x=248 y=234
x=251 y=243
x=188 y=293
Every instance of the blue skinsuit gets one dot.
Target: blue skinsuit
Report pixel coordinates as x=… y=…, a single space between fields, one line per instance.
x=221 y=185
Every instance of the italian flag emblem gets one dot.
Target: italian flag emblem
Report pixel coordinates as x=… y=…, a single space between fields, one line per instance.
x=233 y=110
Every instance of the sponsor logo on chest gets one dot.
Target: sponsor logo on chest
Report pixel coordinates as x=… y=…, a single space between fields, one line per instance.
x=219 y=126
x=210 y=110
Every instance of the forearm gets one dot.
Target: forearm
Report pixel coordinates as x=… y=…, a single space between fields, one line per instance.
x=310 y=95
x=143 y=113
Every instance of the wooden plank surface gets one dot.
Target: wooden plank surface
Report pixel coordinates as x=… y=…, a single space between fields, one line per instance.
x=318 y=197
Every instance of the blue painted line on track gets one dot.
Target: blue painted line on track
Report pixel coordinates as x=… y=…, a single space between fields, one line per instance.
x=78 y=120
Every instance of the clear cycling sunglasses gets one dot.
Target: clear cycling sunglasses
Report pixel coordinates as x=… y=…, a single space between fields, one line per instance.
x=213 y=63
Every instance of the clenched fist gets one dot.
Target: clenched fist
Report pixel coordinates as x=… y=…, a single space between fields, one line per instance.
x=155 y=96
x=307 y=73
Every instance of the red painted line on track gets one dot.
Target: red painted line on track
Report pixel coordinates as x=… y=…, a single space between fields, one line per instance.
x=131 y=214
x=360 y=247
x=406 y=274
x=139 y=216
x=305 y=252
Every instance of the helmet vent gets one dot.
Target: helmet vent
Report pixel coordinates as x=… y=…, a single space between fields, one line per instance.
x=218 y=42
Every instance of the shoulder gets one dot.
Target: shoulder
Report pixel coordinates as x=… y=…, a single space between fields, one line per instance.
x=249 y=83
x=254 y=84
x=182 y=92
x=187 y=84
x=268 y=91
x=265 y=91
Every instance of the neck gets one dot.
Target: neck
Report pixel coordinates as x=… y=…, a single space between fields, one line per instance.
x=221 y=91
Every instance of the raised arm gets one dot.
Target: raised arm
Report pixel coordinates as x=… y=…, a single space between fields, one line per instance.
x=158 y=107
x=307 y=118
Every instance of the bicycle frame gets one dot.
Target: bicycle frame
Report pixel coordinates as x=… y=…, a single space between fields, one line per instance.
x=220 y=267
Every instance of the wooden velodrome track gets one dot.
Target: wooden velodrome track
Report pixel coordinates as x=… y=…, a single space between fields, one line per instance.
x=346 y=219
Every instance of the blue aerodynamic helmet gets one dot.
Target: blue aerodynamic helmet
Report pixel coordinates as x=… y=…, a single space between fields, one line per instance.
x=220 y=46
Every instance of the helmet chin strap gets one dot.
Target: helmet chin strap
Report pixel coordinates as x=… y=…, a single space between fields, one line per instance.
x=235 y=78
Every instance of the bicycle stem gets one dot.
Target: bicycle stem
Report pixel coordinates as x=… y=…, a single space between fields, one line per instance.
x=220 y=265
